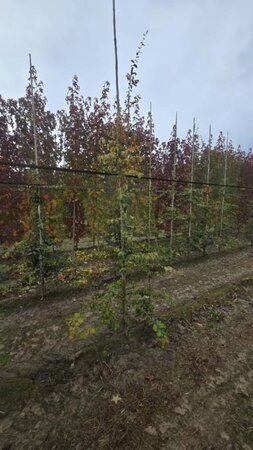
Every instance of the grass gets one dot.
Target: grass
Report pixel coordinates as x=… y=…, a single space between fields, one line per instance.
x=215 y=298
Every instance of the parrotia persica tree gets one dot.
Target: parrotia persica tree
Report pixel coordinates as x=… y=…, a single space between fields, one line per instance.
x=204 y=217
x=73 y=128
x=100 y=130
x=245 y=212
x=18 y=143
x=12 y=201
x=24 y=124
x=85 y=131
x=20 y=113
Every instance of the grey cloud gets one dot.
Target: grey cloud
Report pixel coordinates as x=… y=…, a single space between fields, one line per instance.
x=197 y=59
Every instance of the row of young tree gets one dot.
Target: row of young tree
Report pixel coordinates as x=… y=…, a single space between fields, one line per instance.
x=86 y=136
x=106 y=182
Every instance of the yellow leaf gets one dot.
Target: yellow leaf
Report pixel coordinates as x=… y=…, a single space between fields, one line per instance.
x=116 y=398
x=168 y=269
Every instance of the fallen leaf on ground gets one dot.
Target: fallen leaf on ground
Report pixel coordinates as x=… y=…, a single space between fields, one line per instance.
x=164 y=427
x=116 y=399
x=180 y=411
x=151 y=430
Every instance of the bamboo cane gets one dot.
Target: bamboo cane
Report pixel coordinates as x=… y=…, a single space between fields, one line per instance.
x=191 y=187
x=40 y=224
x=223 y=194
x=173 y=192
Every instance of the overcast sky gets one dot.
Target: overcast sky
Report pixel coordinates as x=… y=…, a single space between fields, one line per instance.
x=198 y=58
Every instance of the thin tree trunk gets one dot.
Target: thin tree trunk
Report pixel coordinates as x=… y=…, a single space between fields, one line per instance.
x=95 y=215
x=223 y=195
x=150 y=199
x=191 y=189
x=40 y=224
x=150 y=182
x=121 y=181
x=173 y=191
x=116 y=59
x=74 y=227
x=207 y=191
x=208 y=165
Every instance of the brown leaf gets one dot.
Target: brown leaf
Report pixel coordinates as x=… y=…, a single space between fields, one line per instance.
x=151 y=430
x=180 y=411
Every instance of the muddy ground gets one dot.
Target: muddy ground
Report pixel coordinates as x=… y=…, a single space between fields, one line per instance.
x=117 y=392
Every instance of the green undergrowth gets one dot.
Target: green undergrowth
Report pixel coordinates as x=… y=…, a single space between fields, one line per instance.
x=208 y=303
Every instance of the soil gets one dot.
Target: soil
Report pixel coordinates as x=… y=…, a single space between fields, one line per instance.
x=111 y=391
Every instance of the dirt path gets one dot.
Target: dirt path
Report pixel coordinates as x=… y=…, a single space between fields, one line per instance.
x=113 y=393
x=186 y=281
x=200 y=276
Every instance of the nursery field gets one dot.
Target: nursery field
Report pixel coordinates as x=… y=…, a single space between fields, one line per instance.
x=126 y=277
x=114 y=390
